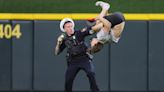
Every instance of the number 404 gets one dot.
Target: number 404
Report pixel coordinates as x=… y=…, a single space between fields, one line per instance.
x=7 y=31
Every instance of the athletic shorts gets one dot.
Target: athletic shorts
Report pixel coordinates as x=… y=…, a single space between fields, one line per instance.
x=115 y=18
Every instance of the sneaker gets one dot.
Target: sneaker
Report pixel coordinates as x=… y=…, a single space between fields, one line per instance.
x=102 y=4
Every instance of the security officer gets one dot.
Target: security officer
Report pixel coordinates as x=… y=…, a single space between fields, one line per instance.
x=77 y=57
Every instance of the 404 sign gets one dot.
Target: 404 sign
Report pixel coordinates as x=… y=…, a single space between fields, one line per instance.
x=7 y=31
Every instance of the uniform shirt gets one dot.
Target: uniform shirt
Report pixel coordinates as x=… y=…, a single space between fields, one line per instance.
x=79 y=36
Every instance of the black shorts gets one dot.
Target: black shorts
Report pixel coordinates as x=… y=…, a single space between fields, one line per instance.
x=115 y=18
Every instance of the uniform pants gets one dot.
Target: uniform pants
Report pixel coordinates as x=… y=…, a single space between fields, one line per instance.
x=74 y=67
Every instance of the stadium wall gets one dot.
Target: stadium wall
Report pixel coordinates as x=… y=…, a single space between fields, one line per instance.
x=134 y=64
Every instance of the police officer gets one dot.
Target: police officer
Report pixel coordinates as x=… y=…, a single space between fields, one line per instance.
x=77 y=57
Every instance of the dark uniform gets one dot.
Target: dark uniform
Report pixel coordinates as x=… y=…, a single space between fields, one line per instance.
x=78 y=59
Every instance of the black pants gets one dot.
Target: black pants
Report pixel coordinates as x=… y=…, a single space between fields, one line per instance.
x=73 y=69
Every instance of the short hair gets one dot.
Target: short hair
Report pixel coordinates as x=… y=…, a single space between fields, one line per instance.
x=66 y=23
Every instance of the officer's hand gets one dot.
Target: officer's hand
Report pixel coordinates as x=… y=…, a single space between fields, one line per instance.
x=60 y=39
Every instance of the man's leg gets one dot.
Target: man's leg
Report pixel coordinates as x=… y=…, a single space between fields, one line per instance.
x=101 y=23
x=105 y=7
x=71 y=72
x=97 y=27
x=89 y=69
x=118 y=29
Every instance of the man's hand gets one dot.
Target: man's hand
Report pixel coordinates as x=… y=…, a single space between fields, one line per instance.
x=59 y=42
x=60 y=39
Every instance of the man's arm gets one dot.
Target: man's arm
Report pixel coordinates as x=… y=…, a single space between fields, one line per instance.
x=87 y=31
x=60 y=46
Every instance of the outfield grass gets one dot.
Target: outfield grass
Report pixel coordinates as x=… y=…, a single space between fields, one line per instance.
x=79 y=6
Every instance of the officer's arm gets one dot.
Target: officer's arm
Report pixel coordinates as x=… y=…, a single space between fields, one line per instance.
x=87 y=31
x=59 y=48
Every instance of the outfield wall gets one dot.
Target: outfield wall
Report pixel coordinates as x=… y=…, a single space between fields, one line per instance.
x=134 y=64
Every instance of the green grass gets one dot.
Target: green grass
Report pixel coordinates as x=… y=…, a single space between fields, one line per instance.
x=79 y=6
